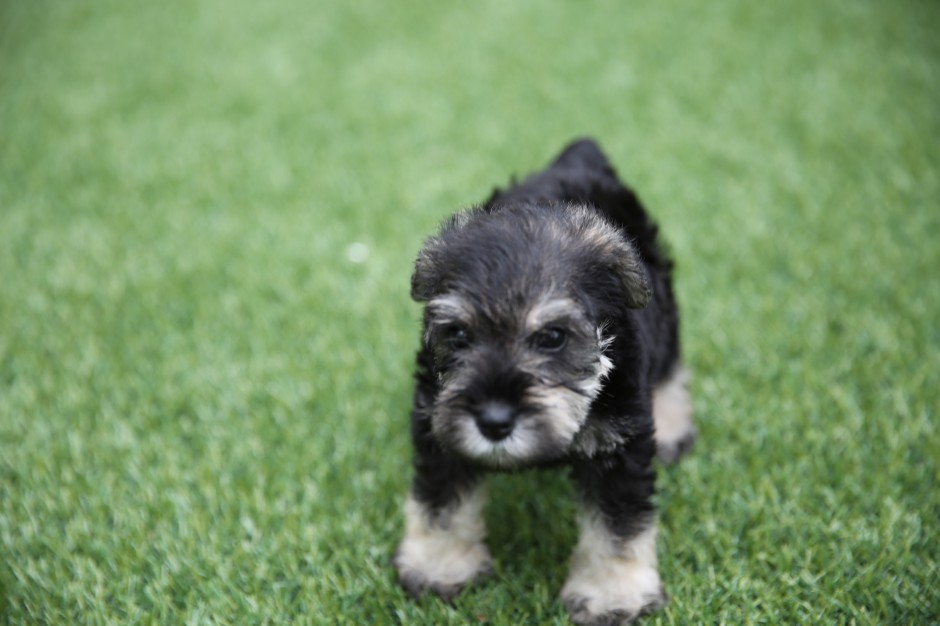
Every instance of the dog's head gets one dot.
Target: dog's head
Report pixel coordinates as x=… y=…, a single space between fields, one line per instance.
x=517 y=302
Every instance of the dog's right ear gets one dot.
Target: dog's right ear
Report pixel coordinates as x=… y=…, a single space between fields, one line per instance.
x=428 y=277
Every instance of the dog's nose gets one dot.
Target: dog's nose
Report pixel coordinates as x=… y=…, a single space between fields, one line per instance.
x=495 y=420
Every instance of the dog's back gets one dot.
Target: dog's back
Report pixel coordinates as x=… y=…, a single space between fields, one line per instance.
x=582 y=174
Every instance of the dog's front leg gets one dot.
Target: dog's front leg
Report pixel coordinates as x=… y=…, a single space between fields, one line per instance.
x=443 y=548
x=613 y=576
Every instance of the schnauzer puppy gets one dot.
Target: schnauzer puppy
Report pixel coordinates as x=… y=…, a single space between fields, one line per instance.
x=550 y=336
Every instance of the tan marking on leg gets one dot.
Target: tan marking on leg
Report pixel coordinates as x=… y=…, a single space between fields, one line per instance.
x=612 y=580
x=442 y=553
x=672 y=414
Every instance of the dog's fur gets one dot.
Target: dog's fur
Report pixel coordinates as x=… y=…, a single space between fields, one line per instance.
x=550 y=336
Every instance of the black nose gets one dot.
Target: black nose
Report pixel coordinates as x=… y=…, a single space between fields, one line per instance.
x=495 y=420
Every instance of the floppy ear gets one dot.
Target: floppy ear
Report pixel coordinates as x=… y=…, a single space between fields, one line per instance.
x=425 y=281
x=632 y=274
x=616 y=254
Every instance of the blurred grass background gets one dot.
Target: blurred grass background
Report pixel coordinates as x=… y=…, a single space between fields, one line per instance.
x=204 y=386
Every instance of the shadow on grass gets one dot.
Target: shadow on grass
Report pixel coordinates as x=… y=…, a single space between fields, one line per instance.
x=532 y=525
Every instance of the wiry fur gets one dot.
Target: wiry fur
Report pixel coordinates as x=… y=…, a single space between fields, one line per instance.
x=568 y=252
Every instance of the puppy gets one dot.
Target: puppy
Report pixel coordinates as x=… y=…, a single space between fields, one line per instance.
x=550 y=336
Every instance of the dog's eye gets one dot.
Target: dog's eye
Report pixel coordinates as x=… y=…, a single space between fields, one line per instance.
x=456 y=337
x=550 y=339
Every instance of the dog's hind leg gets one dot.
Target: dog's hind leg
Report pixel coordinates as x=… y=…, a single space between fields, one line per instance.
x=672 y=413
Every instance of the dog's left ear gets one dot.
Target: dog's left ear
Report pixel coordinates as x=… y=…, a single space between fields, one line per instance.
x=632 y=274
x=616 y=254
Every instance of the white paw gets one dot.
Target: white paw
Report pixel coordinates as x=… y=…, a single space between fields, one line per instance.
x=608 y=586
x=443 y=553
x=627 y=593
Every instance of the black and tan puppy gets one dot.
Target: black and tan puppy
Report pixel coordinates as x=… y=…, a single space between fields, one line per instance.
x=550 y=336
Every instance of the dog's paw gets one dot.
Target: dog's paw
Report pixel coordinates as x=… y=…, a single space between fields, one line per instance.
x=617 y=600
x=441 y=568
x=582 y=611
x=671 y=451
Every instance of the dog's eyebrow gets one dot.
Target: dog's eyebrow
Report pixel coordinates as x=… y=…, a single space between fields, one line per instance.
x=450 y=307
x=548 y=311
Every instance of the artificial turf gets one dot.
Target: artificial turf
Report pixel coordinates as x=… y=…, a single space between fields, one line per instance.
x=208 y=214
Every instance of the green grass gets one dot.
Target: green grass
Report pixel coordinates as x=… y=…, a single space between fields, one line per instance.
x=203 y=401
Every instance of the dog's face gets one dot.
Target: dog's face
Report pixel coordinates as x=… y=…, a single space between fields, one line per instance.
x=516 y=305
